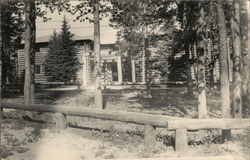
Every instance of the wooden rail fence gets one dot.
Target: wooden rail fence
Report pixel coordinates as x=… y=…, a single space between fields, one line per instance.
x=150 y=121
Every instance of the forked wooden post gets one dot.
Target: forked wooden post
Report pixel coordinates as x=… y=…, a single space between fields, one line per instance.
x=226 y=135
x=150 y=137
x=181 y=141
x=61 y=123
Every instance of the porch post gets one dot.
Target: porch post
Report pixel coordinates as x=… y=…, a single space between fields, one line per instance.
x=85 y=70
x=119 y=68
x=143 y=67
x=133 y=69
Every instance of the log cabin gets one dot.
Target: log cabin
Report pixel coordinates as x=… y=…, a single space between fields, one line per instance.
x=116 y=69
x=111 y=61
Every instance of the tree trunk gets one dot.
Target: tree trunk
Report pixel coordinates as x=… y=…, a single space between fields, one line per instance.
x=202 y=101
x=1 y=46
x=187 y=49
x=210 y=63
x=29 y=53
x=33 y=49
x=248 y=10
x=224 y=76
x=144 y=51
x=188 y=70
x=143 y=66
x=98 y=81
x=212 y=66
x=237 y=62
x=28 y=49
x=147 y=66
x=148 y=76
x=194 y=65
x=244 y=52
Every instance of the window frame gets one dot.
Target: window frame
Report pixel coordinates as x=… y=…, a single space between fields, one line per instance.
x=40 y=69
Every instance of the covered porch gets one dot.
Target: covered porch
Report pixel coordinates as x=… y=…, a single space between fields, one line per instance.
x=111 y=69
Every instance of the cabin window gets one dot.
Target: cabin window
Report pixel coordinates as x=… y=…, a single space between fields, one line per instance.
x=104 y=66
x=37 y=69
x=37 y=49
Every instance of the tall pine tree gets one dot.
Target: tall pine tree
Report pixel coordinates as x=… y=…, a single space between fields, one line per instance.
x=62 y=64
x=12 y=28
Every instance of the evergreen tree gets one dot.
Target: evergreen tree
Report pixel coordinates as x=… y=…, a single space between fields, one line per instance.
x=62 y=64
x=11 y=32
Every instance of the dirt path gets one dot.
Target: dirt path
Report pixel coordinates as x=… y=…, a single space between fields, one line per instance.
x=68 y=145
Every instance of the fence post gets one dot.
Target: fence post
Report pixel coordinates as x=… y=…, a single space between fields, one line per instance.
x=61 y=123
x=149 y=137
x=226 y=135
x=181 y=142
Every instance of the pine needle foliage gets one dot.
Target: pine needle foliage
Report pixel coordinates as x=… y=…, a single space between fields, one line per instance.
x=62 y=64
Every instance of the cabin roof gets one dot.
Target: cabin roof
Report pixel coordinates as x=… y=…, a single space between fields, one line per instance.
x=46 y=38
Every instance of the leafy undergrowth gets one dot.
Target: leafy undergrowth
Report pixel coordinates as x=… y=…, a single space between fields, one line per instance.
x=90 y=138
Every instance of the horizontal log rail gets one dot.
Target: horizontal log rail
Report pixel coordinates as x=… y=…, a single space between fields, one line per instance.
x=150 y=121
x=181 y=127
x=187 y=158
x=131 y=117
x=220 y=123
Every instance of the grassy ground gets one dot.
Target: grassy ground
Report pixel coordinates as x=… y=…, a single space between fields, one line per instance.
x=92 y=138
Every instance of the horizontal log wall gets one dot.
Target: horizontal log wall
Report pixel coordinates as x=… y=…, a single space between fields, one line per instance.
x=39 y=60
x=40 y=57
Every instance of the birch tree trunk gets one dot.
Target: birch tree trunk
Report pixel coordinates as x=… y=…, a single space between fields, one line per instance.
x=98 y=80
x=237 y=62
x=224 y=75
x=202 y=101
x=29 y=52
